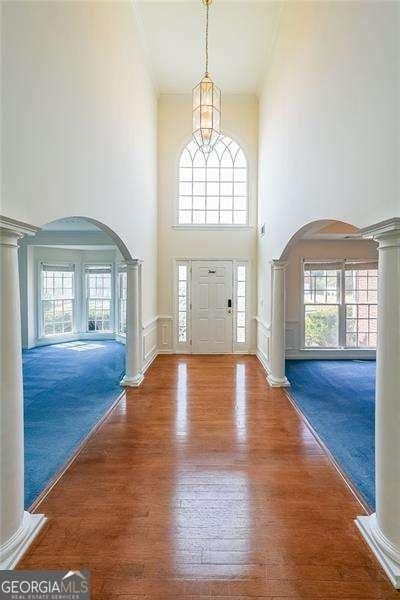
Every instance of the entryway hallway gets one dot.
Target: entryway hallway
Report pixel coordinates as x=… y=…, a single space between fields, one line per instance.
x=206 y=483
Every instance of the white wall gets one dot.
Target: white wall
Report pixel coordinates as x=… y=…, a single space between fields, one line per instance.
x=329 y=123
x=79 y=122
x=240 y=121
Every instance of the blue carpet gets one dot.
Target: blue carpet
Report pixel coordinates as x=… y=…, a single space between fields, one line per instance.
x=67 y=389
x=338 y=399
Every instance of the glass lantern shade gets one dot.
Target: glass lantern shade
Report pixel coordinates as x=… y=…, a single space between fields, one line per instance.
x=206 y=114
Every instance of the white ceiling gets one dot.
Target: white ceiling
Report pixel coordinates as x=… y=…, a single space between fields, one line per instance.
x=241 y=40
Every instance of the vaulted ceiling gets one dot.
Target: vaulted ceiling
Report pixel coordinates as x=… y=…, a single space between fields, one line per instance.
x=241 y=40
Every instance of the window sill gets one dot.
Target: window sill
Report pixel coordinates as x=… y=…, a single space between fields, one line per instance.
x=331 y=353
x=336 y=349
x=213 y=227
x=73 y=337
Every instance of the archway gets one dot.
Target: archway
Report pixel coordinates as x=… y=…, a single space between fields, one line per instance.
x=74 y=290
x=331 y=282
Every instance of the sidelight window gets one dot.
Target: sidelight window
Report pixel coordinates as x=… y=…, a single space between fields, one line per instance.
x=241 y=284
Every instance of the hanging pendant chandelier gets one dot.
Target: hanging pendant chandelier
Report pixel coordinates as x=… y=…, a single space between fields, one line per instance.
x=206 y=104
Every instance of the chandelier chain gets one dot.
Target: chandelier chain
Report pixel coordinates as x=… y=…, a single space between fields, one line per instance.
x=207 y=9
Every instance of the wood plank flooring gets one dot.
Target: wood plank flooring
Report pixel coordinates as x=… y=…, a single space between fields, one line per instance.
x=205 y=483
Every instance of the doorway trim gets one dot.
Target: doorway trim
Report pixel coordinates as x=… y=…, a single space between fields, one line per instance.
x=187 y=347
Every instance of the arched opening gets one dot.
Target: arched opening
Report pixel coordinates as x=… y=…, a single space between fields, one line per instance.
x=73 y=282
x=331 y=282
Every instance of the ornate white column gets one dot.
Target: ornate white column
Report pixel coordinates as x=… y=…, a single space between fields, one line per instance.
x=276 y=377
x=17 y=527
x=133 y=373
x=382 y=529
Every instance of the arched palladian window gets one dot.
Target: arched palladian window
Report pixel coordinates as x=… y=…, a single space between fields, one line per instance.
x=213 y=187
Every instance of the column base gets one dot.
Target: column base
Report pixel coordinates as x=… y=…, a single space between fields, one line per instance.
x=132 y=381
x=13 y=550
x=385 y=553
x=274 y=382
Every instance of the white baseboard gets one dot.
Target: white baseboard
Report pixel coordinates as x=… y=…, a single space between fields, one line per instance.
x=262 y=357
x=149 y=361
x=342 y=354
x=13 y=550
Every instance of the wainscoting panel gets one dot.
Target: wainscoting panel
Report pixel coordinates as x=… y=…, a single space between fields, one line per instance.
x=149 y=343
x=165 y=334
x=263 y=342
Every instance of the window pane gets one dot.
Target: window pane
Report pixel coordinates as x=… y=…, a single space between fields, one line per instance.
x=182 y=302
x=239 y=217
x=199 y=189
x=212 y=216
x=321 y=326
x=241 y=273
x=226 y=203
x=199 y=217
x=240 y=203
x=361 y=307
x=241 y=304
x=226 y=217
x=199 y=203
x=212 y=203
x=218 y=180
x=57 y=294
x=182 y=272
x=241 y=335
x=185 y=216
x=321 y=286
x=185 y=202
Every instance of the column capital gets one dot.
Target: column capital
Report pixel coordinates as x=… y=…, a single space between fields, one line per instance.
x=279 y=264
x=383 y=231
x=12 y=230
x=133 y=263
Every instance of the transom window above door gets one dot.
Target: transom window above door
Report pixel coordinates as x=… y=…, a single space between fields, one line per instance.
x=213 y=187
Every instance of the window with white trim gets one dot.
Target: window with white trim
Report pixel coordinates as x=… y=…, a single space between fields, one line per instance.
x=57 y=299
x=99 y=298
x=241 y=288
x=183 y=302
x=340 y=304
x=122 y=295
x=361 y=296
x=213 y=186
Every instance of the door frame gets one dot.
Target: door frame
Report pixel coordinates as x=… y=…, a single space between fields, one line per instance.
x=187 y=347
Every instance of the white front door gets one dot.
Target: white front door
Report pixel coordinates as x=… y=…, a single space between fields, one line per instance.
x=211 y=313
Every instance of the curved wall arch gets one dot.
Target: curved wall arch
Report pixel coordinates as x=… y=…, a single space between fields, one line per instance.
x=116 y=239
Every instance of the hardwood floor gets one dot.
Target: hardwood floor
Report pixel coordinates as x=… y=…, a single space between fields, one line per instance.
x=206 y=483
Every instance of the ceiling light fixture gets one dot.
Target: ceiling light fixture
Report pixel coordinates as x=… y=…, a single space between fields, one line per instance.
x=206 y=104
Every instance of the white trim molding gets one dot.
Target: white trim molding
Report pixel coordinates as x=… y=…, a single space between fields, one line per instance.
x=13 y=550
